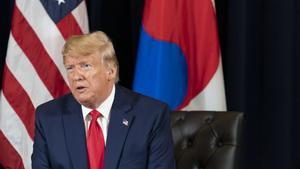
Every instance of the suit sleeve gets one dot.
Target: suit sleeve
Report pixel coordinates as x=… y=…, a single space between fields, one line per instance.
x=161 y=155
x=39 y=156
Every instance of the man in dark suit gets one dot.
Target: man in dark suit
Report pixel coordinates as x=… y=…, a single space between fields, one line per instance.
x=100 y=124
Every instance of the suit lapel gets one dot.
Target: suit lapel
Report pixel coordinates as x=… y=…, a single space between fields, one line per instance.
x=120 y=121
x=75 y=134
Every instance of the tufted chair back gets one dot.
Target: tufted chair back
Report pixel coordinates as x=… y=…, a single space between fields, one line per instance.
x=206 y=139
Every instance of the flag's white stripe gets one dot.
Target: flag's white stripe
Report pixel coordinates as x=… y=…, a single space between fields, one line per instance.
x=213 y=4
x=25 y=74
x=213 y=95
x=80 y=15
x=15 y=132
x=45 y=29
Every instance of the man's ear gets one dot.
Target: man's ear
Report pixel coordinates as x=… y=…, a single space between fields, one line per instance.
x=112 y=71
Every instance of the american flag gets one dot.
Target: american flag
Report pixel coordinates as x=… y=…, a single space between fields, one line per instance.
x=34 y=71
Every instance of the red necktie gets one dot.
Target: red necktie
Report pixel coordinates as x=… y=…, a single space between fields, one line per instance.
x=95 y=143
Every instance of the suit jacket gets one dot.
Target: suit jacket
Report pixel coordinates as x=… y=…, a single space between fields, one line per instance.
x=145 y=143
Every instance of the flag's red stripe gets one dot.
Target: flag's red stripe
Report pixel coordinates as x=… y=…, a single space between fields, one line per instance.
x=36 y=53
x=9 y=157
x=68 y=26
x=18 y=100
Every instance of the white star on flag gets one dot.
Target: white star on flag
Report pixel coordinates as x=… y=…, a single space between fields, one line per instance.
x=60 y=1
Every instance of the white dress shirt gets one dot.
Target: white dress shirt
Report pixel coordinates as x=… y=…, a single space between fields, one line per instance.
x=104 y=109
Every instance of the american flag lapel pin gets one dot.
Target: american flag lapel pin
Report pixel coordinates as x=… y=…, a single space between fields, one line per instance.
x=125 y=122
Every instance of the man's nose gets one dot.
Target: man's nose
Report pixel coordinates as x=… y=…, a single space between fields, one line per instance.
x=77 y=74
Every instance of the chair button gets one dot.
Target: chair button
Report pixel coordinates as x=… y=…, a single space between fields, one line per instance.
x=208 y=120
x=189 y=143
x=220 y=144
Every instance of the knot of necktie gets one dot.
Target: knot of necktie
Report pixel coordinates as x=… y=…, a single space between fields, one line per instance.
x=94 y=114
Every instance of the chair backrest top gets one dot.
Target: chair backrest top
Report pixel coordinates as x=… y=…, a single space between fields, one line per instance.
x=206 y=139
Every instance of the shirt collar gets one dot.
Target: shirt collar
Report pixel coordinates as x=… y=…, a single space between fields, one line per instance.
x=104 y=108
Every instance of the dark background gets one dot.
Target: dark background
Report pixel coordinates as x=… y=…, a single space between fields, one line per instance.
x=260 y=44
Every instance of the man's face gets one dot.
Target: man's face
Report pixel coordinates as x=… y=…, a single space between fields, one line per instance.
x=90 y=80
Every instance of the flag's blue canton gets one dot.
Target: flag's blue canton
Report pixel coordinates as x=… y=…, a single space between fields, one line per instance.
x=58 y=11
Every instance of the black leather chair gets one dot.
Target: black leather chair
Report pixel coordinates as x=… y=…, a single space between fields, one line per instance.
x=206 y=139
